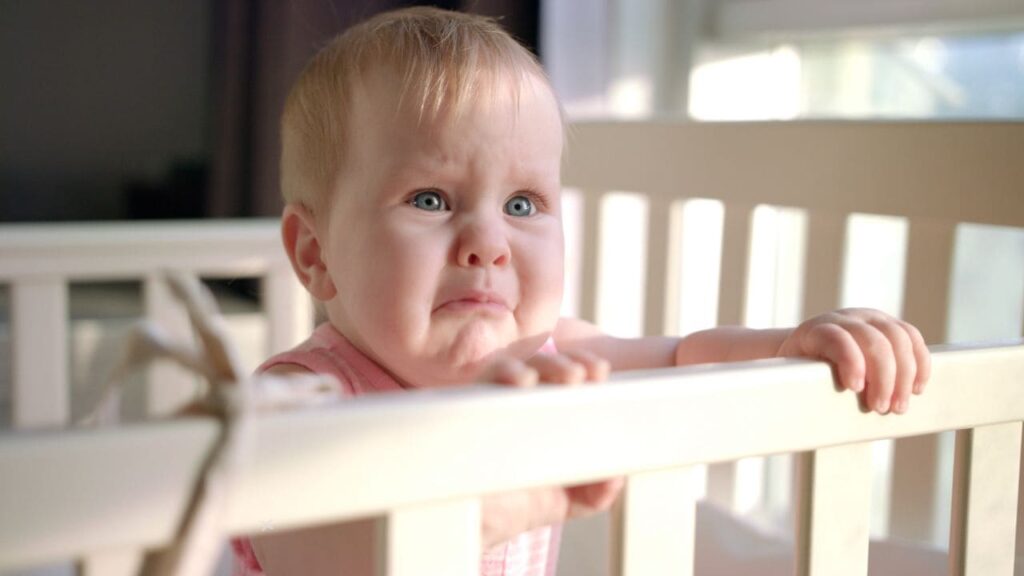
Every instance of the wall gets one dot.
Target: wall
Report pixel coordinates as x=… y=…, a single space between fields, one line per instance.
x=96 y=94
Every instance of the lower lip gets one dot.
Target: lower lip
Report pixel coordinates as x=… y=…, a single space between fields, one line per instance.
x=474 y=306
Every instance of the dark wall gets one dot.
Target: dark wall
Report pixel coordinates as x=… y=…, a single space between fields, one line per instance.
x=125 y=109
x=96 y=95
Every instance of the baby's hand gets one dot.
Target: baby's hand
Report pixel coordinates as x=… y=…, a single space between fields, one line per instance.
x=506 y=515
x=869 y=351
x=570 y=368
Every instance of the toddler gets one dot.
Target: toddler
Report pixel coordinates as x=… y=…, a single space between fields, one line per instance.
x=420 y=167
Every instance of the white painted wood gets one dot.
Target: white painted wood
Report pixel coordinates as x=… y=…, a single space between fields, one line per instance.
x=436 y=440
x=920 y=514
x=823 y=264
x=437 y=538
x=288 y=307
x=723 y=477
x=590 y=258
x=656 y=524
x=834 y=511
x=1019 y=547
x=735 y=273
x=721 y=484
x=39 y=353
x=71 y=493
x=663 y=244
x=926 y=291
x=982 y=537
x=115 y=250
x=813 y=165
x=112 y=563
x=168 y=386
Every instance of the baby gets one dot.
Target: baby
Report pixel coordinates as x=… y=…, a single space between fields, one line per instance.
x=420 y=167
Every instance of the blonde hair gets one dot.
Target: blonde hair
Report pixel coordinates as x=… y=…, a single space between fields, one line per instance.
x=444 y=61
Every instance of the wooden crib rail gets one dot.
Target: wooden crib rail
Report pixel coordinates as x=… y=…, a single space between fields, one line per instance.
x=421 y=460
x=955 y=171
x=39 y=261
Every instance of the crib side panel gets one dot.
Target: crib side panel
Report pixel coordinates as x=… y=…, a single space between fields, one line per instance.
x=917 y=462
x=39 y=352
x=168 y=386
x=834 y=511
x=982 y=538
x=131 y=484
x=953 y=171
x=411 y=544
x=934 y=174
x=39 y=262
x=654 y=528
x=112 y=563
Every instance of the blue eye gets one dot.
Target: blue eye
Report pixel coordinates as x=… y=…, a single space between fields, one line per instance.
x=430 y=201
x=519 y=206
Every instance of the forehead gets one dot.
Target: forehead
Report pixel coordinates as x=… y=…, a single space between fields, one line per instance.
x=499 y=104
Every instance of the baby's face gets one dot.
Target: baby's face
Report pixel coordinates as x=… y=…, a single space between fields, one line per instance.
x=445 y=239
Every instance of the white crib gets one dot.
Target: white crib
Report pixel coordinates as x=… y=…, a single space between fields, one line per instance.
x=105 y=496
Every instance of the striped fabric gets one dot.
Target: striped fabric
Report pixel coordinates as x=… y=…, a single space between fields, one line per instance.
x=532 y=553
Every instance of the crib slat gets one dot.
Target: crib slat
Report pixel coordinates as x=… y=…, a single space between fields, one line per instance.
x=39 y=354
x=735 y=263
x=834 y=511
x=732 y=290
x=112 y=563
x=826 y=236
x=590 y=257
x=917 y=461
x=288 y=307
x=926 y=289
x=662 y=256
x=168 y=386
x=434 y=538
x=982 y=538
x=656 y=524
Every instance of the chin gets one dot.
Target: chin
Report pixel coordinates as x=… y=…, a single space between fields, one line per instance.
x=473 y=347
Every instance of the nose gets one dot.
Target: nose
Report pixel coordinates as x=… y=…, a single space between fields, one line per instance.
x=483 y=243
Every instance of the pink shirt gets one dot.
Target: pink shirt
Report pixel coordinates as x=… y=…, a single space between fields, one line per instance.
x=533 y=553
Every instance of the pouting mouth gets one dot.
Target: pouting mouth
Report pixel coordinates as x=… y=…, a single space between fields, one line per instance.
x=475 y=298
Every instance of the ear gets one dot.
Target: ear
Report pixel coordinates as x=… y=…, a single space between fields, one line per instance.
x=302 y=244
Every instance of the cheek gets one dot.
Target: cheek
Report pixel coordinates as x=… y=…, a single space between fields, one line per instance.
x=541 y=269
x=401 y=270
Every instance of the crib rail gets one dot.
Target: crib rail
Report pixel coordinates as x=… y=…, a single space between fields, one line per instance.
x=39 y=261
x=955 y=171
x=413 y=458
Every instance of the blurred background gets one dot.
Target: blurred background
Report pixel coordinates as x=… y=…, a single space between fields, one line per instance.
x=123 y=109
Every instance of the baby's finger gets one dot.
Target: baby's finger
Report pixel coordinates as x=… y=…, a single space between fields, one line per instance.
x=879 y=363
x=832 y=343
x=510 y=372
x=587 y=499
x=597 y=368
x=905 y=363
x=557 y=369
x=922 y=356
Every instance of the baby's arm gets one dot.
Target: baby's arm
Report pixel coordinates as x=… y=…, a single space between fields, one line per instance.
x=869 y=350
